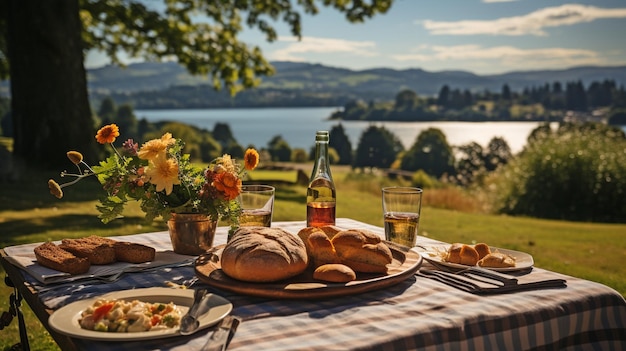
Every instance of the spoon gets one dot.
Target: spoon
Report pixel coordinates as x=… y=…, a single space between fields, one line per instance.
x=189 y=323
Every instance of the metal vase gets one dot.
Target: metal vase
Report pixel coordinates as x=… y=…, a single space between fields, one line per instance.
x=191 y=233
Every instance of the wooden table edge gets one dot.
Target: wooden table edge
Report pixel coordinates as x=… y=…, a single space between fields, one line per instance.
x=32 y=299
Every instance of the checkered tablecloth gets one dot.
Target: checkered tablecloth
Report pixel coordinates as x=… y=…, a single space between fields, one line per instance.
x=418 y=313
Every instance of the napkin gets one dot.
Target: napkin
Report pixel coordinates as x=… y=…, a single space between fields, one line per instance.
x=108 y=272
x=496 y=284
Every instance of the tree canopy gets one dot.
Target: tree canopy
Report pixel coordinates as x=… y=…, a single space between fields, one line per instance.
x=431 y=153
x=377 y=148
x=43 y=45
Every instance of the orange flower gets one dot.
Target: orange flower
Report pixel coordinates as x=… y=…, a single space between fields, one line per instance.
x=75 y=156
x=251 y=159
x=163 y=172
x=107 y=134
x=227 y=183
x=55 y=189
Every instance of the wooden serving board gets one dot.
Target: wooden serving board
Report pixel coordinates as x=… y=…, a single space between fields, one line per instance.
x=405 y=263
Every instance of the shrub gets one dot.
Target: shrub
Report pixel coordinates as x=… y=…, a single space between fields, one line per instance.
x=575 y=173
x=422 y=180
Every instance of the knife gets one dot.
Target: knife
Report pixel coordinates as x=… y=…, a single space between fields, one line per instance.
x=220 y=337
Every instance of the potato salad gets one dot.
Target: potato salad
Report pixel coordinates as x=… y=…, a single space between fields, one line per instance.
x=119 y=316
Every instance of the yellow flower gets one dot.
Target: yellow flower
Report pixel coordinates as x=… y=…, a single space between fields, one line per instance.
x=163 y=172
x=107 y=134
x=155 y=147
x=251 y=159
x=55 y=189
x=75 y=156
x=161 y=167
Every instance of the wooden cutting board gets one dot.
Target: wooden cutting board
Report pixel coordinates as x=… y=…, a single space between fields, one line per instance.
x=405 y=263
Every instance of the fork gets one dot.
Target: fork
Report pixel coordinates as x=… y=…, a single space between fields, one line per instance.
x=480 y=272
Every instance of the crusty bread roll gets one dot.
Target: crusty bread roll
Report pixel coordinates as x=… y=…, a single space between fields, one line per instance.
x=334 y=272
x=497 y=260
x=330 y=230
x=321 y=250
x=462 y=254
x=262 y=254
x=362 y=250
x=453 y=255
x=50 y=255
x=355 y=238
x=482 y=249
x=304 y=234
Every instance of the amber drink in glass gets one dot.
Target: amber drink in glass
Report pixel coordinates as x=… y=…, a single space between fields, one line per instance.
x=257 y=205
x=401 y=213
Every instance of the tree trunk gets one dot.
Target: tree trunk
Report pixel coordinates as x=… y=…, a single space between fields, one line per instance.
x=50 y=104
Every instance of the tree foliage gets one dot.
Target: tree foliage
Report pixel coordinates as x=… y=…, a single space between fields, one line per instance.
x=473 y=161
x=470 y=163
x=498 y=153
x=339 y=141
x=47 y=42
x=430 y=153
x=377 y=148
x=223 y=134
x=279 y=149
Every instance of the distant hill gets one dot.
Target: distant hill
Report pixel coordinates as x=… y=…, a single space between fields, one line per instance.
x=158 y=76
x=168 y=85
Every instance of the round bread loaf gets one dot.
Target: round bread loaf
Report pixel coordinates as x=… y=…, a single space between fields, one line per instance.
x=334 y=272
x=262 y=254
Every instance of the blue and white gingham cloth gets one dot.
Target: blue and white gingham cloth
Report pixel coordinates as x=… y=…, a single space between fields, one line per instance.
x=418 y=313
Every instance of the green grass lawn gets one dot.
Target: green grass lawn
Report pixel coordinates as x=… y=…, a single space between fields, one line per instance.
x=593 y=251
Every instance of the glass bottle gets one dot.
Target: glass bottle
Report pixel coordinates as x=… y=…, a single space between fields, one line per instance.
x=321 y=197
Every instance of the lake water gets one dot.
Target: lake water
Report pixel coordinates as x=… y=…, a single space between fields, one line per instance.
x=297 y=126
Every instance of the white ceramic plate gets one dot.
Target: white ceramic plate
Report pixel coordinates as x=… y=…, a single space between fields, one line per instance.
x=65 y=319
x=522 y=259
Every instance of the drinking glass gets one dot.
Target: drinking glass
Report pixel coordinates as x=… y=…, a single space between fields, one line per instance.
x=401 y=212
x=257 y=204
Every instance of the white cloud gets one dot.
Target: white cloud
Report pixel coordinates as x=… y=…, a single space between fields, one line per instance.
x=295 y=50
x=505 y=57
x=533 y=23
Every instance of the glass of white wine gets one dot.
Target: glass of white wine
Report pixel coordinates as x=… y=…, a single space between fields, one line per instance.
x=401 y=212
x=257 y=205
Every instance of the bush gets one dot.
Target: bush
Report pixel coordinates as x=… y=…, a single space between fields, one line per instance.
x=576 y=173
x=422 y=180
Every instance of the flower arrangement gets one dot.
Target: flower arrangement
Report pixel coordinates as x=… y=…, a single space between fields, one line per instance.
x=162 y=179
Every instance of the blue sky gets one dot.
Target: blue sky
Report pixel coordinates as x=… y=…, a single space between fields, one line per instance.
x=480 y=36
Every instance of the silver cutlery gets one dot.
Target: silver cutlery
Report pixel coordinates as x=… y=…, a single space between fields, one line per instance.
x=497 y=283
x=220 y=337
x=189 y=323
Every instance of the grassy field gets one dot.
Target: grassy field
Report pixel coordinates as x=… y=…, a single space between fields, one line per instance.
x=28 y=213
